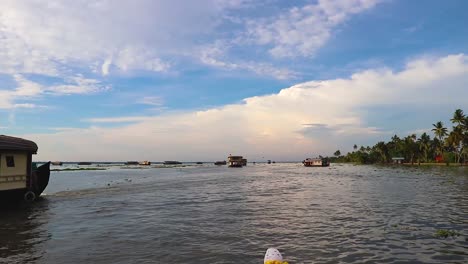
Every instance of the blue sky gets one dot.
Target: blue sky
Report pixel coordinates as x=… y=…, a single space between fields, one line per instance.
x=162 y=80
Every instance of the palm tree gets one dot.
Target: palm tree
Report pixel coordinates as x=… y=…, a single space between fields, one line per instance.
x=455 y=142
x=458 y=117
x=424 y=145
x=440 y=131
x=381 y=149
x=355 y=147
x=410 y=147
x=458 y=138
x=337 y=153
x=395 y=145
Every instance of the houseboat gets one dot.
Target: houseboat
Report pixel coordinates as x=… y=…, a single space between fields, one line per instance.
x=316 y=162
x=19 y=176
x=219 y=163
x=171 y=162
x=56 y=163
x=144 y=163
x=236 y=161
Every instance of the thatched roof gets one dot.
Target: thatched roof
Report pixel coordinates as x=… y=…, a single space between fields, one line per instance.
x=14 y=143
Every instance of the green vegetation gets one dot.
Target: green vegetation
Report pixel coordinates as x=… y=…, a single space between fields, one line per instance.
x=444 y=233
x=78 y=169
x=446 y=147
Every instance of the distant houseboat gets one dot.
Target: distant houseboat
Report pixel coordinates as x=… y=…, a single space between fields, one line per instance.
x=19 y=177
x=236 y=161
x=57 y=163
x=144 y=163
x=219 y=163
x=316 y=162
x=171 y=162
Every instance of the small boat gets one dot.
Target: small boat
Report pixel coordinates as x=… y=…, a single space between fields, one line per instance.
x=56 y=163
x=171 y=162
x=84 y=163
x=20 y=178
x=144 y=163
x=236 y=161
x=219 y=163
x=316 y=162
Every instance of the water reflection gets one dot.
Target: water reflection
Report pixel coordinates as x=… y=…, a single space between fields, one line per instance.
x=23 y=232
x=340 y=214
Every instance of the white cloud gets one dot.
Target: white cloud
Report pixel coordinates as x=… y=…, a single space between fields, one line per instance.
x=152 y=100
x=110 y=37
x=215 y=55
x=310 y=118
x=45 y=36
x=77 y=85
x=27 y=90
x=122 y=119
x=301 y=31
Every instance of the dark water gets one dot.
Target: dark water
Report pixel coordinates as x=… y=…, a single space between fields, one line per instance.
x=207 y=214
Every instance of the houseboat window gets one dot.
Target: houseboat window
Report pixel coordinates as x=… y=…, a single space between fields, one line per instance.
x=10 y=161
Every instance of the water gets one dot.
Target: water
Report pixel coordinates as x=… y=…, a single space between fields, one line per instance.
x=208 y=214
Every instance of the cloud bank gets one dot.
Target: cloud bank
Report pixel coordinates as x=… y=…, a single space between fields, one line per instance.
x=304 y=120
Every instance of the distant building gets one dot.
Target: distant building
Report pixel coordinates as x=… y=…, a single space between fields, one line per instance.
x=398 y=160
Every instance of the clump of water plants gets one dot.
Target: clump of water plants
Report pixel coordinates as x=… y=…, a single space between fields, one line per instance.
x=444 y=233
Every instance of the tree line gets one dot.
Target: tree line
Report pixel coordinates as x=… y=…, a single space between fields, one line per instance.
x=446 y=146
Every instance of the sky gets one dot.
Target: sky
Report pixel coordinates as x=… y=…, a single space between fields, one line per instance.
x=157 y=80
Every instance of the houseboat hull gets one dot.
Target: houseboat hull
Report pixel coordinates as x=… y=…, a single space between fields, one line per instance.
x=37 y=183
x=310 y=165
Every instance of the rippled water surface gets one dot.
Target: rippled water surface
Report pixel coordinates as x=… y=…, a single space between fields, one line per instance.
x=208 y=214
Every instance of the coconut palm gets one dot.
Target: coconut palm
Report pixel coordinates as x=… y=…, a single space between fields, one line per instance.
x=410 y=147
x=381 y=149
x=439 y=130
x=337 y=153
x=424 y=145
x=458 y=117
x=455 y=142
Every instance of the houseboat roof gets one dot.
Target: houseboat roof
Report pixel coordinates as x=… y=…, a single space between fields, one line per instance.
x=312 y=159
x=14 y=143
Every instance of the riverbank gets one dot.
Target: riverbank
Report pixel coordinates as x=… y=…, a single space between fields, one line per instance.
x=452 y=164
x=436 y=164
